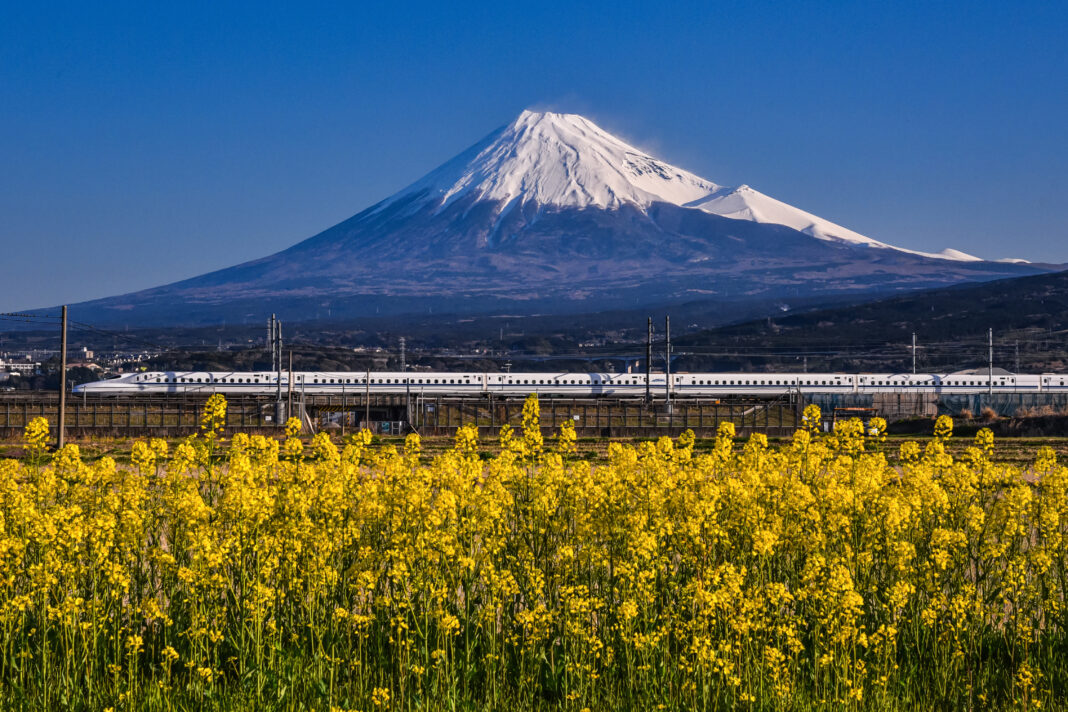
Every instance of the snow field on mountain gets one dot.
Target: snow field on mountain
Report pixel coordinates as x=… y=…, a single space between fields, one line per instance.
x=567 y=161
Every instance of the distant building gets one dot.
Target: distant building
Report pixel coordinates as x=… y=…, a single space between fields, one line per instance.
x=23 y=368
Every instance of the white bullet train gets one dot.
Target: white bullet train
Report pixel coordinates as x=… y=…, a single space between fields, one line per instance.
x=264 y=383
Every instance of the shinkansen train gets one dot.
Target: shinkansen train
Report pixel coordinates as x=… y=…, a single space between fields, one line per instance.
x=571 y=384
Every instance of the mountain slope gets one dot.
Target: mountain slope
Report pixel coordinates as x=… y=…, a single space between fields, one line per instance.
x=551 y=213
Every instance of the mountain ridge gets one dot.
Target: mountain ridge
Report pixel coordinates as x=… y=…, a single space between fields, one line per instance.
x=551 y=212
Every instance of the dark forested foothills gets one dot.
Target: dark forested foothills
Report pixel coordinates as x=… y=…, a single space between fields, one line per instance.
x=837 y=571
x=1027 y=315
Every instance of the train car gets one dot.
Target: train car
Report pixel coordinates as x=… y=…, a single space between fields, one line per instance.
x=265 y=383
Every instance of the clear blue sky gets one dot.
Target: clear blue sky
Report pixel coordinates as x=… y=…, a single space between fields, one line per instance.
x=141 y=144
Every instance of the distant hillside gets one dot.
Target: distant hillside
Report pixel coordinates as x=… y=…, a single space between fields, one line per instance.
x=1028 y=314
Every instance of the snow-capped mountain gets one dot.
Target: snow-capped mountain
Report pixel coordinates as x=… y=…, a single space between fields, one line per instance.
x=567 y=161
x=552 y=213
x=560 y=161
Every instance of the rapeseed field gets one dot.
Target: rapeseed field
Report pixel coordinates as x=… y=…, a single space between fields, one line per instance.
x=253 y=573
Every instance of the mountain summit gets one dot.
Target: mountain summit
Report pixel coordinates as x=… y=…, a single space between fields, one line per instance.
x=551 y=214
x=567 y=161
x=558 y=160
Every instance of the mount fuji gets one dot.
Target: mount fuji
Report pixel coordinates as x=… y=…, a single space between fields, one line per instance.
x=552 y=214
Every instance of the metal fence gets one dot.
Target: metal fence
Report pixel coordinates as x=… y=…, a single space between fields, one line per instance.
x=441 y=415
x=397 y=414
x=177 y=414
x=609 y=417
x=899 y=406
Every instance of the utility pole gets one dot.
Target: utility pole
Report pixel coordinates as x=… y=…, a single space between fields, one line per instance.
x=667 y=363
x=1017 y=348
x=649 y=363
x=276 y=359
x=914 y=352
x=402 y=368
x=274 y=342
x=990 y=363
x=278 y=344
x=289 y=405
x=367 y=400
x=408 y=403
x=63 y=379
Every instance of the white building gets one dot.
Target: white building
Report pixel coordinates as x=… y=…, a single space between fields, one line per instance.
x=24 y=368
